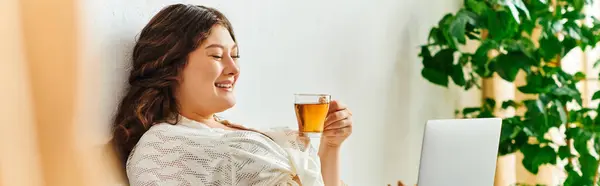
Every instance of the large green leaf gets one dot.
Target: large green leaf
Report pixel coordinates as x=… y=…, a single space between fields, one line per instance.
x=575 y=179
x=575 y=116
x=523 y=45
x=569 y=90
x=537 y=83
x=546 y=155
x=457 y=30
x=538 y=9
x=578 y=5
x=571 y=133
x=458 y=26
x=529 y=153
x=535 y=107
x=509 y=103
x=568 y=44
x=564 y=152
x=490 y=103
x=512 y=145
x=588 y=37
x=444 y=26
x=426 y=55
x=501 y=25
x=596 y=95
x=445 y=59
x=589 y=165
x=458 y=75
x=573 y=15
x=437 y=37
x=561 y=111
x=510 y=128
x=565 y=91
x=527 y=26
x=479 y=7
x=550 y=47
x=579 y=76
x=436 y=68
x=434 y=76
x=581 y=137
x=470 y=110
x=512 y=136
x=508 y=65
x=480 y=59
x=539 y=119
x=535 y=156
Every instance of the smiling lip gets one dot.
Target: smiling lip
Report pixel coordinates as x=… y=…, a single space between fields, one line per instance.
x=226 y=85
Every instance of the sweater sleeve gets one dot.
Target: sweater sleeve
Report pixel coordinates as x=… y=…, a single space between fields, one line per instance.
x=257 y=160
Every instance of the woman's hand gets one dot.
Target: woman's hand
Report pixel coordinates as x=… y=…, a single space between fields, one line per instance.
x=338 y=125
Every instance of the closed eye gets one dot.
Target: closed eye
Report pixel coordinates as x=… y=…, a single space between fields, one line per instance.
x=219 y=57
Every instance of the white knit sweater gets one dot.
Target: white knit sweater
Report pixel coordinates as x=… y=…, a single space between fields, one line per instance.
x=191 y=153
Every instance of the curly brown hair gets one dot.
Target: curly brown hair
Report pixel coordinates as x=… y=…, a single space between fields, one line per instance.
x=159 y=56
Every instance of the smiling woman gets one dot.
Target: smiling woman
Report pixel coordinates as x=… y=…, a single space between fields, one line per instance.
x=208 y=79
x=185 y=68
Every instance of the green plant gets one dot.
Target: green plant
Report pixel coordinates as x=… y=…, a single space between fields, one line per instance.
x=531 y=37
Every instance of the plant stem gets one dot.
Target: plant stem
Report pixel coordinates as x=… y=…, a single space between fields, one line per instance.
x=555 y=5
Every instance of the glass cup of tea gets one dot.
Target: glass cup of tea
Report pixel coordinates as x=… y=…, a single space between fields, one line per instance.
x=311 y=111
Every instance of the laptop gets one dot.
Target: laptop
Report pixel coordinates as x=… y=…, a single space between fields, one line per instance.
x=459 y=152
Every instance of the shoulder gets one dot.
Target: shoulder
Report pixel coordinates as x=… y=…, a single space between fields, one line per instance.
x=166 y=135
x=166 y=153
x=167 y=142
x=181 y=137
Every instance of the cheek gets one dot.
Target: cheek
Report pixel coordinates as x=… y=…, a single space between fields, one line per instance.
x=200 y=78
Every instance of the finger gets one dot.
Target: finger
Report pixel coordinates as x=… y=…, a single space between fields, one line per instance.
x=340 y=124
x=336 y=116
x=335 y=106
x=346 y=131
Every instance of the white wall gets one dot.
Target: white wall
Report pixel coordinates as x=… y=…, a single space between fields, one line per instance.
x=363 y=52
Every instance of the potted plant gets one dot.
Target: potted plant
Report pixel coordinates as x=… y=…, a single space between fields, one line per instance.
x=529 y=37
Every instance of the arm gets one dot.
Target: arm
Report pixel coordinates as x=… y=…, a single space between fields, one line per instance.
x=338 y=127
x=330 y=165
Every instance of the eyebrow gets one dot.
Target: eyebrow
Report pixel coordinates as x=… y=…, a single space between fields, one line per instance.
x=219 y=46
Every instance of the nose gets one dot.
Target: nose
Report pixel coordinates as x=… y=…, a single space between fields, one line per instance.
x=231 y=67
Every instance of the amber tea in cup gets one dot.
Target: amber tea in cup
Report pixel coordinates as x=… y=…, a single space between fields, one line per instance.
x=311 y=111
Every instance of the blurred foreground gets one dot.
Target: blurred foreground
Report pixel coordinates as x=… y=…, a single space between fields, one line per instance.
x=40 y=102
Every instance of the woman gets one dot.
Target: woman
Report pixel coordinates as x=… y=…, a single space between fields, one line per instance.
x=184 y=71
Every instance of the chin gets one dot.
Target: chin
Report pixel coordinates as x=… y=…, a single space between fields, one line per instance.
x=228 y=102
x=224 y=102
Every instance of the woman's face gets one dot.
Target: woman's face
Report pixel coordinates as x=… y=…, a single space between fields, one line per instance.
x=209 y=77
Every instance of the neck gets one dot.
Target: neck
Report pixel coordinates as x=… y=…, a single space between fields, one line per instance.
x=202 y=118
